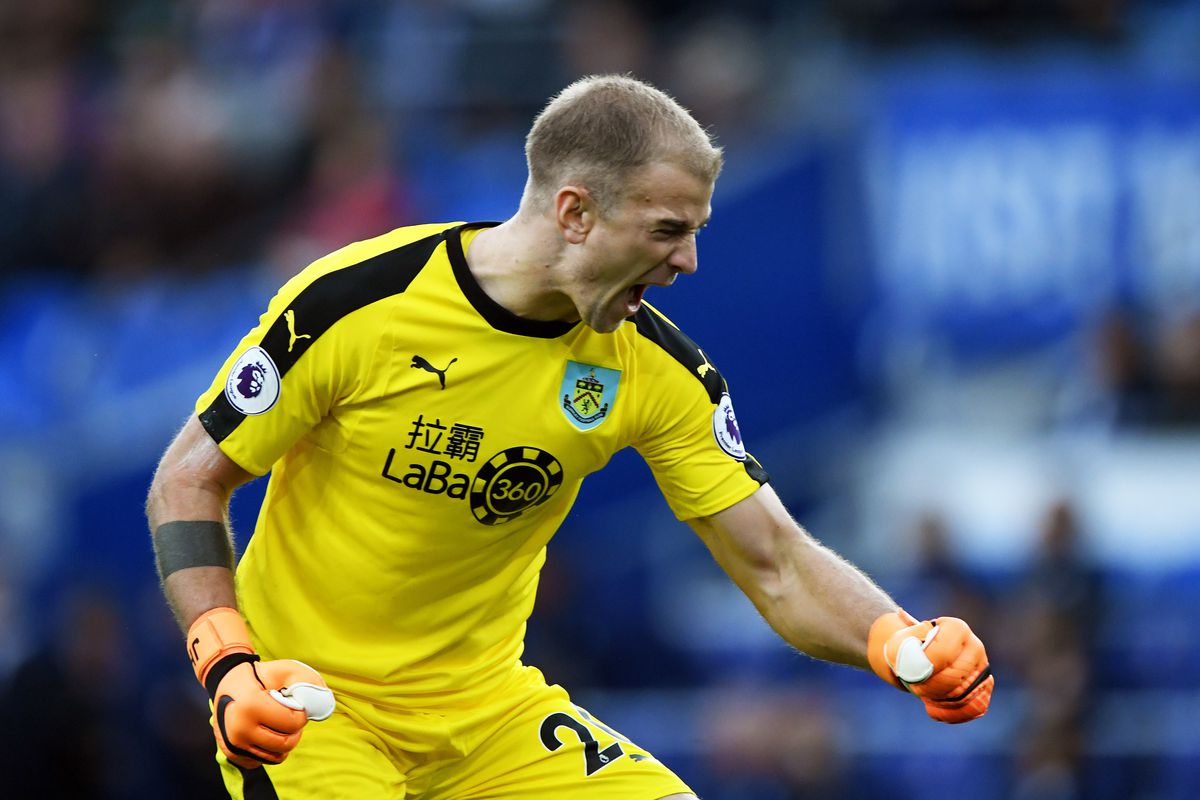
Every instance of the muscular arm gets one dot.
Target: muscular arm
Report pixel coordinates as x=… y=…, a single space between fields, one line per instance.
x=193 y=483
x=816 y=600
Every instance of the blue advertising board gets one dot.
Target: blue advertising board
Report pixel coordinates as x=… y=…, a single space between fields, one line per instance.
x=1009 y=204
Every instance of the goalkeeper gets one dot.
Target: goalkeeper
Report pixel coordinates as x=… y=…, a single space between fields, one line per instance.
x=427 y=403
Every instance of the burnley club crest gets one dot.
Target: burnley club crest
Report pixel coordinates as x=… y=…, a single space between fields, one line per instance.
x=588 y=394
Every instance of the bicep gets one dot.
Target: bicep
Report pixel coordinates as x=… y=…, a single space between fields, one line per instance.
x=752 y=538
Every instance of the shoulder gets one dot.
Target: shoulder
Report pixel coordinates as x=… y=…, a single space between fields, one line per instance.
x=360 y=274
x=333 y=288
x=657 y=333
x=389 y=261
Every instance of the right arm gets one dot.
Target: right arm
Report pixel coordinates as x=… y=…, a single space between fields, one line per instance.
x=193 y=482
x=188 y=510
x=259 y=707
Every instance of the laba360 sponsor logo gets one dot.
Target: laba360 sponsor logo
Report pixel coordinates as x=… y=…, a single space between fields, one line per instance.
x=510 y=483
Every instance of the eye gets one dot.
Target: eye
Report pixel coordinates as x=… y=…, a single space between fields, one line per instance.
x=672 y=232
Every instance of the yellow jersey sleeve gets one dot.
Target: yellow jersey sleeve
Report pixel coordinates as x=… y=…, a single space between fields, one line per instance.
x=310 y=352
x=687 y=430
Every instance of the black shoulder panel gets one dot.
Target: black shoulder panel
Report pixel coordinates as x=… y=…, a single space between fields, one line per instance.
x=321 y=304
x=653 y=326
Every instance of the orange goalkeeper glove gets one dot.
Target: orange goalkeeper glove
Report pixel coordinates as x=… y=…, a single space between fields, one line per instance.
x=940 y=661
x=259 y=707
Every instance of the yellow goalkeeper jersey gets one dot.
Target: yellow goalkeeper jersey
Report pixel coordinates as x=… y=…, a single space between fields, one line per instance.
x=424 y=444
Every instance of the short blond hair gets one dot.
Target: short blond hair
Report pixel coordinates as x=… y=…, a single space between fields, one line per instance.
x=601 y=129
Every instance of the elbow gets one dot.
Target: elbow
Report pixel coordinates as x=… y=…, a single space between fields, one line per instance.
x=181 y=492
x=165 y=477
x=194 y=479
x=779 y=581
x=769 y=576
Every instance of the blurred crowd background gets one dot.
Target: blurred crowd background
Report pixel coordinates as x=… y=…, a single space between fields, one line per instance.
x=952 y=277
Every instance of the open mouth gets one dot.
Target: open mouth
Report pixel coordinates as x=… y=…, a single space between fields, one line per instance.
x=633 y=297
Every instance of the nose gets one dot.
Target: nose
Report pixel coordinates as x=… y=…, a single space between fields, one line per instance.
x=684 y=258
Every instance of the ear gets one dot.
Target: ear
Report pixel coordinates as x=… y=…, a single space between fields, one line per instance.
x=575 y=213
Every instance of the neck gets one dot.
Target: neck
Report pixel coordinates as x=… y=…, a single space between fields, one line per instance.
x=517 y=264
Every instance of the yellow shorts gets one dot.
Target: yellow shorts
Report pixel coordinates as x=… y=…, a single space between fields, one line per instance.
x=532 y=744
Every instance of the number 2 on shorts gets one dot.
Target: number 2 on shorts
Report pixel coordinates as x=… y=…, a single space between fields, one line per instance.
x=594 y=758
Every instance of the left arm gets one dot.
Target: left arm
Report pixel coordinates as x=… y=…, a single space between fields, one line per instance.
x=823 y=605
x=817 y=601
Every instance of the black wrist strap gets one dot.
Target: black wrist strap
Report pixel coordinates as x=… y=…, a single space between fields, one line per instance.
x=983 y=676
x=219 y=670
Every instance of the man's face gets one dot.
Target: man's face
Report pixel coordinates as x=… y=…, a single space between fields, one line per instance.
x=647 y=239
